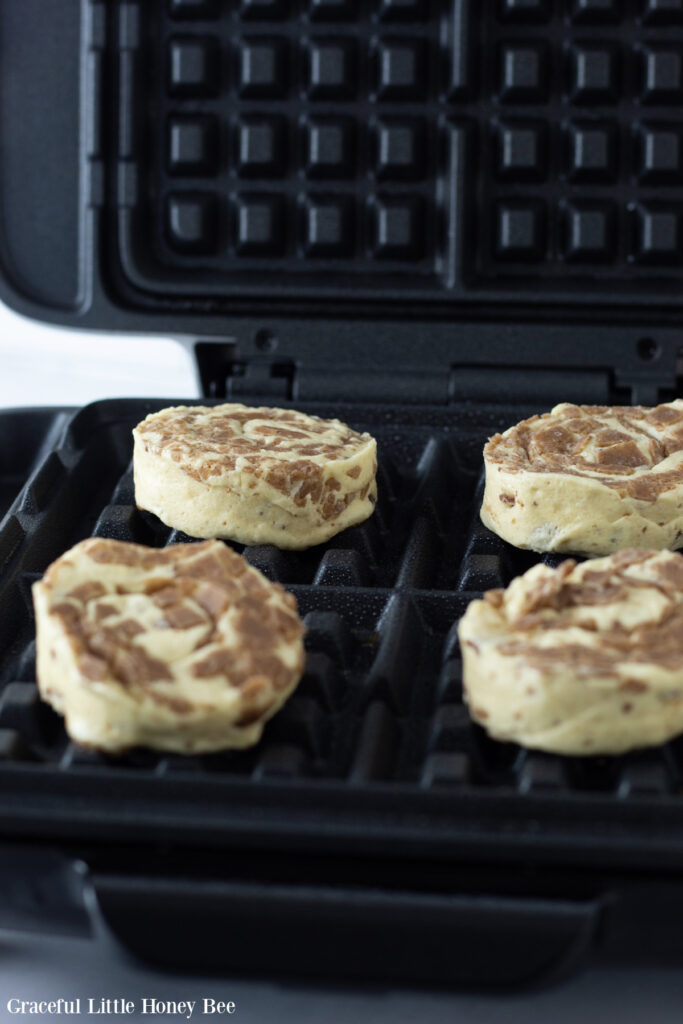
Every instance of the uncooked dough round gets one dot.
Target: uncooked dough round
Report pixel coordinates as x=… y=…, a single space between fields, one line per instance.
x=254 y=475
x=582 y=659
x=588 y=479
x=186 y=648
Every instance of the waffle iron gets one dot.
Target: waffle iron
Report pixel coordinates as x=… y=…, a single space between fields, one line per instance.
x=430 y=218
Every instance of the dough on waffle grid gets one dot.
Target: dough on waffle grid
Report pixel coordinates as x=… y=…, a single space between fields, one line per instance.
x=588 y=479
x=582 y=659
x=186 y=648
x=254 y=475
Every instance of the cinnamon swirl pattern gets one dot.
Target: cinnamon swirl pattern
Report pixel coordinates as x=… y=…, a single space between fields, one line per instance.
x=588 y=479
x=254 y=475
x=185 y=649
x=582 y=659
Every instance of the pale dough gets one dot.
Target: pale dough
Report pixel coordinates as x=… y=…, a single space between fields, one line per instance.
x=588 y=479
x=582 y=659
x=254 y=475
x=186 y=648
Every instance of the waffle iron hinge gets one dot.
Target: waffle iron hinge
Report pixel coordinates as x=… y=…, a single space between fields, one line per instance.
x=269 y=381
x=541 y=386
x=652 y=386
x=224 y=372
x=545 y=386
x=413 y=385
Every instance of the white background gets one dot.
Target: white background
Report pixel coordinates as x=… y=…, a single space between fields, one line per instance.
x=41 y=365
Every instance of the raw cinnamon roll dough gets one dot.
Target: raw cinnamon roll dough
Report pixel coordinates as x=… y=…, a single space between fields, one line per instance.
x=186 y=648
x=582 y=659
x=254 y=475
x=588 y=479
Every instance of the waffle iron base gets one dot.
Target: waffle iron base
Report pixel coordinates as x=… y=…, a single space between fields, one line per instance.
x=374 y=831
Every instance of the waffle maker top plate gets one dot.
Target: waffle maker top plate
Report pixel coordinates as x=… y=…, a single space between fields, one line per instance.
x=430 y=218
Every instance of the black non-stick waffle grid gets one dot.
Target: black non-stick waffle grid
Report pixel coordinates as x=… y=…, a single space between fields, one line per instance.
x=380 y=703
x=441 y=149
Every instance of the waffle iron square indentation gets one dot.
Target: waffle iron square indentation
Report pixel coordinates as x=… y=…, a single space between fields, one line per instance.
x=441 y=149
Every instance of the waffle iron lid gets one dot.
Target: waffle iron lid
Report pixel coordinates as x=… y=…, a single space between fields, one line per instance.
x=408 y=186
